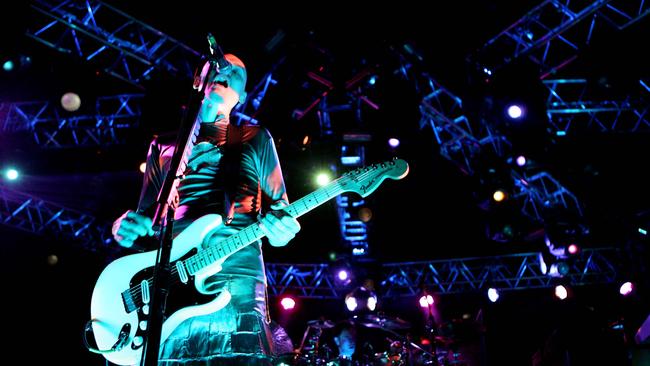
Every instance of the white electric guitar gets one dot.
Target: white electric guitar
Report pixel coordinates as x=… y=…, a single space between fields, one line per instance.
x=120 y=302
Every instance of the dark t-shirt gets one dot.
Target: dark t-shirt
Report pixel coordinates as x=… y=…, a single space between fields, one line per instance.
x=233 y=171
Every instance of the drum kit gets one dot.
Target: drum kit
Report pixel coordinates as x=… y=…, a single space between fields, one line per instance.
x=390 y=345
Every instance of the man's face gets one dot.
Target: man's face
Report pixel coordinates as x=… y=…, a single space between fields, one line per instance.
x=228 y=87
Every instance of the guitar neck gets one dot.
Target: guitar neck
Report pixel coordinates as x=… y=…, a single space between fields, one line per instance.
x=253 y=233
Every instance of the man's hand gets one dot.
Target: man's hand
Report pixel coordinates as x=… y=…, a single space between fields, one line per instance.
x=279 y=226
x=130 y=226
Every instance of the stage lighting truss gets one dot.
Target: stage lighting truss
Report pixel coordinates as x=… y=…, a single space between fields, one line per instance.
x=121 y=45
x=552 y=34
x=107 y=124
x=572 y=107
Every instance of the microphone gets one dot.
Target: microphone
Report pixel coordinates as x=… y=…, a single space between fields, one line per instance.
x=216 y=51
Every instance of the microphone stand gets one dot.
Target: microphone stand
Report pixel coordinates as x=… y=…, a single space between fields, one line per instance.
x=164 y=206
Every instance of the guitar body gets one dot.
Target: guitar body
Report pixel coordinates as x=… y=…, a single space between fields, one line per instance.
x=119 y=305
x=120 y=320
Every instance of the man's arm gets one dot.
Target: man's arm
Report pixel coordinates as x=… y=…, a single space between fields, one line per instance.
x=278 y=226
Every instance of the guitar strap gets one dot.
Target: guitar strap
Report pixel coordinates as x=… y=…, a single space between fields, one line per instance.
x=232 y=167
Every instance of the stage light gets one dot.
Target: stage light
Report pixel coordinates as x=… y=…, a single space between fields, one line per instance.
x=343 y=275
x=12 y=174
x=70 y=102
x=426 y=300
x=372 y=80
x=365 y=214
x=351 y=303
x=143 y=167
x=306 y=140
x=493 y=294
x=361 y=298
x=358 y=251
x=393 y=142
x=643 y=231
x=561 y=292
x=499 y=195
x=322 y=179
x=8 y=65
x=558 y=269
x=52 y=259
x=626 y=288
x=371 y=304
x=288 y=303
x=521 y=160
x=332 y=256
x=573 y=249
x=515 y=111
x=487 y=71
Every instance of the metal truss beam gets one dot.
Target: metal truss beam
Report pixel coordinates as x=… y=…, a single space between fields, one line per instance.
x=460 y=139
x=116 y=42
x=506 y=272
x=303 y=280
x=32 y=214
x=511 y=272
x=52 y=127
x=551 y=34
x=541 y=192
x=463 y=141
x=571 y=107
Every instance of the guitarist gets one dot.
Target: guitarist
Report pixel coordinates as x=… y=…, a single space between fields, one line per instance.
x=233 y=171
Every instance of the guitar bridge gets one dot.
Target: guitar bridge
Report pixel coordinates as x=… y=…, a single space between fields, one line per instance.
x=128 y=301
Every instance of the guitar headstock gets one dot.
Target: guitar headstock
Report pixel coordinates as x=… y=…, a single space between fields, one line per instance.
x=365 y=180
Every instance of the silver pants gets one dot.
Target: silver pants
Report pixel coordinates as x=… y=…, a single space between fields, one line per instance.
x=238 y=334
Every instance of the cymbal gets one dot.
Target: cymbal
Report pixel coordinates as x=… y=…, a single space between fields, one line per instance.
x=384 y=322
x=321 y=324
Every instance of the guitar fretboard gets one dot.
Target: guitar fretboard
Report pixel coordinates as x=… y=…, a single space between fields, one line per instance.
x=252 y=233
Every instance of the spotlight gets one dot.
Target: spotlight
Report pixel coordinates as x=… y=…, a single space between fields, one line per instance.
x=393 y=142
x=499 y=195
x=515 y=111
x=521 y=160
x=322 y=179
x=11 y=174
x=143 y=167
x=306 y=140
x=573 y=249
x=493 y=294
x=288 y=303
x=561 y=292
x=372 y=80
x=558 y=269
x=361 y=299
x=70 y=102
x=8 y=65
x=343 y=275
x=351 y=303
x=371 y=304
x=626 y=289
x=426 y=300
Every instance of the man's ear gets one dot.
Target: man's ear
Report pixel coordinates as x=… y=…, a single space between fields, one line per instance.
x=242 y=97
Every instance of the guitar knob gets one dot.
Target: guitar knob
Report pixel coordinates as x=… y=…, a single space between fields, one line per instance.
x=143 y=324
x=137 y=341
x=145 y=309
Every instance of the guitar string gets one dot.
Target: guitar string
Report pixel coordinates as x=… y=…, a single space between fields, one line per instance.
x=135 y=290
